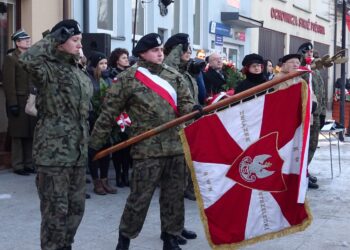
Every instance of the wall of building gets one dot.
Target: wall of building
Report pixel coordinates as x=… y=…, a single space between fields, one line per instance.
x=40 y=15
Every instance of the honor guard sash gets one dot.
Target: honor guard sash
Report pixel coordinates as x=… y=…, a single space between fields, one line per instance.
x=158 y=85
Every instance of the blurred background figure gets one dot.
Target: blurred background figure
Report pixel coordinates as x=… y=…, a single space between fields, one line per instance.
x=17 y=86
x=268 y=70
x=214 y=78
x=118 y=61
x=101 y=81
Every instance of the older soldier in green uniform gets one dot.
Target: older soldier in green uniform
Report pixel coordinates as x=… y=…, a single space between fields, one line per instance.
x=17 y=86
x=61 y=133
x=318 y=87
x=152 y=94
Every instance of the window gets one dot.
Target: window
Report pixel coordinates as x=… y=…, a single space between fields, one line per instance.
x=105 y=15
x=140 y=18
x=196 y=22
x=302 y=4
x=7 y=10
x=176 y=28
x=323 y=9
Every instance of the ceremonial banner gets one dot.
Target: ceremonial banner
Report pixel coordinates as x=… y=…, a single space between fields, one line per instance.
x=247 y=164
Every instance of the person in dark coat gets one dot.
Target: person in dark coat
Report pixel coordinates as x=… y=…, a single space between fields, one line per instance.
x=253 y=70
x=17 y=86
x=214 y=78
x=99 y=75
x=118 y=61
x=122 y=161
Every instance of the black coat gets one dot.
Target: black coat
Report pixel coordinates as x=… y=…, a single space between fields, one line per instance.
x=251 y=81
x=213 y=81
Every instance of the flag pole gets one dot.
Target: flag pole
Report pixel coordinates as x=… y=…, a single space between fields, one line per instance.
x=223 y=103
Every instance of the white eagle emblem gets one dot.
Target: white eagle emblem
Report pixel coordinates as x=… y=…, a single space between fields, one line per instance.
x=250 y=169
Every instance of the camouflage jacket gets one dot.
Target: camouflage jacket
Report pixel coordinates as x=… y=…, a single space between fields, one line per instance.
x=319 y=90
x=146 y=110
x=174 y=60
x=64 y=92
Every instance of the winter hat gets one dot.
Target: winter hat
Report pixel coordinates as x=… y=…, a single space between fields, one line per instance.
x=252 y=58
x=95 y=57
x=290 y=56
x=19 y=34
x=180 y=38
x=305 y=47
x=147 y=42
x=69 y=24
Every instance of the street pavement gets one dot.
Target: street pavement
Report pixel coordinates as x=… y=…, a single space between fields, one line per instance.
x=330 y=228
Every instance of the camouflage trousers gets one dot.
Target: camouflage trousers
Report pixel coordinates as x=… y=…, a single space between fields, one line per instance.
x=168 y=172
x=62 y=202
x=314 y=133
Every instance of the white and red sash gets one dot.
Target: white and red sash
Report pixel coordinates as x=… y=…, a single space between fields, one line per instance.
x=158 y=85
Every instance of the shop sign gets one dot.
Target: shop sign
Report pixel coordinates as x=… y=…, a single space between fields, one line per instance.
x=240 y=36
x=297 y=21
x=219 y=40
x=220 y=29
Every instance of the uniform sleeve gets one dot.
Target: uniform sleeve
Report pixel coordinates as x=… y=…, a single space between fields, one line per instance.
x=35 y=59
x=9 y=70
x=111 y=108
x=185 y=101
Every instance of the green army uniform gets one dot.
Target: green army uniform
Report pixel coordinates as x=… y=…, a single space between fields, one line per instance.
x=318 y=88
x=17 y=84
x=60 y=139
x=174 y=60
x=157 y=160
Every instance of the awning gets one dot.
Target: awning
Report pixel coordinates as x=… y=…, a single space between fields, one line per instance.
x=235 y=19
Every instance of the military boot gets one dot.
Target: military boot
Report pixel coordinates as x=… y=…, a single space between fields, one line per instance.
x=98 y=188
x=170 y=242
x=107 y=187
x=123 y=242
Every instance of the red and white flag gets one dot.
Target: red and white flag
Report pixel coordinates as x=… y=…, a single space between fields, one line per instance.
x=247 y=164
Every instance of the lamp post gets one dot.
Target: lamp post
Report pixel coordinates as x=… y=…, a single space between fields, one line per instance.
x=342 y=72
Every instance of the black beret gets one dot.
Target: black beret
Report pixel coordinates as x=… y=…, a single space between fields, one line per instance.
x=252 y=58
x=180 y=38
x=305 y=47
x=95 y=57
x=290 y=56
x=147 y=42
x=19 y=34
x=69 y=24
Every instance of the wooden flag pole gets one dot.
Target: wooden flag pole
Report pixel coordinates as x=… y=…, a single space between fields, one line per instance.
x=223 y=103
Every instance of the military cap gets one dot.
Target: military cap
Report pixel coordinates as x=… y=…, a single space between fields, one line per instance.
x=19 y=34
x=95 y=57
x=180 y=38
x=305 y=47
x=69 y=24
x=252 y=58
x=147 y=42
x=290 y=56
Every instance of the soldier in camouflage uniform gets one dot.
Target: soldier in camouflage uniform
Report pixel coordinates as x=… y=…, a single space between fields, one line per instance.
x=61 y=134
x=318 y=87
x=159 y=159
x=177 y=51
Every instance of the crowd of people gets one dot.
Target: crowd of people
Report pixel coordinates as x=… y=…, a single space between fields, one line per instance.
x=85 y=105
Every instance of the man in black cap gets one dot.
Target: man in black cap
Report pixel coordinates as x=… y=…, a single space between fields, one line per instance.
x=290 y=63
x=318 y=87
x=152 y=93
x=18 y=86
x=61 y=133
